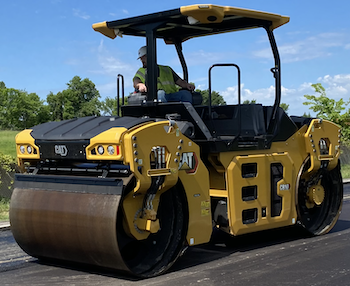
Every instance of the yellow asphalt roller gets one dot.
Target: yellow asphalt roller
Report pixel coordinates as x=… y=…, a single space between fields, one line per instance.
x=120 y=212
x=131 y=193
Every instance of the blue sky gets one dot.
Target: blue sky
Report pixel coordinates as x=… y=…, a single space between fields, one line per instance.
x=44 y=44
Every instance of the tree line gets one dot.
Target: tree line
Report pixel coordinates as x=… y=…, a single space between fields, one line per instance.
x=20 y=109
x=330 y=109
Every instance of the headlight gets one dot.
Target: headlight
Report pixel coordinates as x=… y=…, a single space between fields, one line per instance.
x=110 y=150
x=29 y=149
x=22 y=149
x=100 y=150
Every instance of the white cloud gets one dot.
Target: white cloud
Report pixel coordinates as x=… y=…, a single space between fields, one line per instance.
x=125 y=11
x=310 y=48
x=111 y=66
x=335 y=80
x=109 y=89
x=337 y=86
x=201 y=86
x=80 y=14
x=201 y=57
x=262 y=95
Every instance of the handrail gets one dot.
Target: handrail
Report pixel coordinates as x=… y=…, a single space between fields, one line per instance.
x=178 y=47
x=118 y=92
x=276 y=70
x=239 y=92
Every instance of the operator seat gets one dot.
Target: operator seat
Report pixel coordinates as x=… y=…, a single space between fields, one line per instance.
x=197 y=98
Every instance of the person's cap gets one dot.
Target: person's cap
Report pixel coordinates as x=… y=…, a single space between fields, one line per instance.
x=142 y=51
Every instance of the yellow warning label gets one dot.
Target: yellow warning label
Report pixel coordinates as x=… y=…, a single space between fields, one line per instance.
x=205 y=204
x=205 y=212
x=205 y=208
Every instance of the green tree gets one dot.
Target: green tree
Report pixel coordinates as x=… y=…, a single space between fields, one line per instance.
x=308 y=115
x=325 y=107
x=330 y=109
x=284 y=106
x=19 y=110
x=56 y=105
x=216 y=98
x=81 y=98
x=109 y=105
x=247 y=101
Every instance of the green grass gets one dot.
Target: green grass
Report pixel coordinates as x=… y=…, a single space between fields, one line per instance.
x=7 y=142
x=7 y=147
x=4 y=209
x=345 y=171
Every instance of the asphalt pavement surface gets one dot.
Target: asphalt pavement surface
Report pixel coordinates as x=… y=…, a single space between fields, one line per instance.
x=279 y=257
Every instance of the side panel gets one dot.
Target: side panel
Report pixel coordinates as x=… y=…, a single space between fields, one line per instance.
x=261 y=187
x=250 y=193
x=182 y=162
x=196 y=185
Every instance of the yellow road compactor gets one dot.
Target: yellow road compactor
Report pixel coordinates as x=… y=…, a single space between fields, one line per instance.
x=132 y=192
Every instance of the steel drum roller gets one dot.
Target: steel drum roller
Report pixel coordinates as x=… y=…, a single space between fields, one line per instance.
x=65 y=225
x=81 y=220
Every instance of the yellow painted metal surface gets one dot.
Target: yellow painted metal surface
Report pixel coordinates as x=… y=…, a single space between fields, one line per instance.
x=196 y=185
x=315 y=195
x=103 y=29
x=329 y=131
x=111 y=137
x=218 y=193
x=25 y=139
x=137 y=146
x=290 y=154
x=206 y=13
x=263 y=183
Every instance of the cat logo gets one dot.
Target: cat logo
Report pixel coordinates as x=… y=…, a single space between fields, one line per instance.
x=284 y=187
x=61 y=150
x=188 y=162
